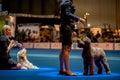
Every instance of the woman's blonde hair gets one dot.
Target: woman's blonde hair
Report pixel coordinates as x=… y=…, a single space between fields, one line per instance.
x=5 y=27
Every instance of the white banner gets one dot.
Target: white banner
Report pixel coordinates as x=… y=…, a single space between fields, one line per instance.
x=95 y=44
x=29 y=32
x=27 y=45
x=105 y=46
x=117 y=46
x=42 y=45
x=56 y=45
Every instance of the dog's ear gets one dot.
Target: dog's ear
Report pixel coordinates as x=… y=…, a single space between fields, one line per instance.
x=19 y=52
x=24 y=50
x=18 y=55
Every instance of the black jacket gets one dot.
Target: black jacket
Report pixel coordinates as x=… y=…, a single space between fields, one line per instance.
x=67 y=13
x=4 y=43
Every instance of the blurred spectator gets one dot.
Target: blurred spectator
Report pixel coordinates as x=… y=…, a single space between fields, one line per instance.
x=97 y=34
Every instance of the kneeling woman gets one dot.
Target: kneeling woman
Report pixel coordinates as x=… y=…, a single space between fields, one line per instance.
x=6 y=62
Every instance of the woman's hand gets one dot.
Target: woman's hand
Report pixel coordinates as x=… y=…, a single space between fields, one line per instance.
x=82 y=20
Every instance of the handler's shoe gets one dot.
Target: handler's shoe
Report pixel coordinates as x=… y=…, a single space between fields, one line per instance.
x=71 y=74
x=108 y=72
x=67 y=74
x=62 y=72
x=91 y=73
x=85 y=73
x=99 y=73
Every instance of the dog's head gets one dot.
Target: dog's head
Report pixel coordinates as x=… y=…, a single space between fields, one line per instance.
x=83 y=42
x=86 y=39
x=83 y=37
x=21 y=54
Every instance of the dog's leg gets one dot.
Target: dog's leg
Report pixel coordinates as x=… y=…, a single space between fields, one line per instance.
x=91 y=65
x=105 y=63
x=86 y=65
x=99 y=66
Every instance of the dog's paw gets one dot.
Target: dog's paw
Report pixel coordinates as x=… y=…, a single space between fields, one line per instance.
x=25 y=68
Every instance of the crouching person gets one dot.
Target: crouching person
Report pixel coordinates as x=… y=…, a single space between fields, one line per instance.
x=92 y=54
x=6 y=62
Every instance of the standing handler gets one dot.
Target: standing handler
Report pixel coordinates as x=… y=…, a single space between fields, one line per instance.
x=66 y=27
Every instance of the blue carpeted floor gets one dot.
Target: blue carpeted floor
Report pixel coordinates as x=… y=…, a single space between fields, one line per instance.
x=48 y=62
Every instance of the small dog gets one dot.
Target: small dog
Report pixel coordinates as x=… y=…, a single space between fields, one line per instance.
x=22 y=59
x=92 y=54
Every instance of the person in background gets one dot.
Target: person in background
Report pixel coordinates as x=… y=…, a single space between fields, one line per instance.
x=66 y=27
x=97 y=34
x=6 y=62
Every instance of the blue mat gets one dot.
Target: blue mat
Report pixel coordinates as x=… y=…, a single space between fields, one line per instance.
x=48 y=62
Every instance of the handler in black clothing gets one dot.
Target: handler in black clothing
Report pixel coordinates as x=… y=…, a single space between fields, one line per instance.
x=6 y=62
x=66 y=27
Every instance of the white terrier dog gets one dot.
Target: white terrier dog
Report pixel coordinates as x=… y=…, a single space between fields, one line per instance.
x=22 y=59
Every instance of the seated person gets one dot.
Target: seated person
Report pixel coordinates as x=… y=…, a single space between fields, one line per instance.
x=6 y=62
